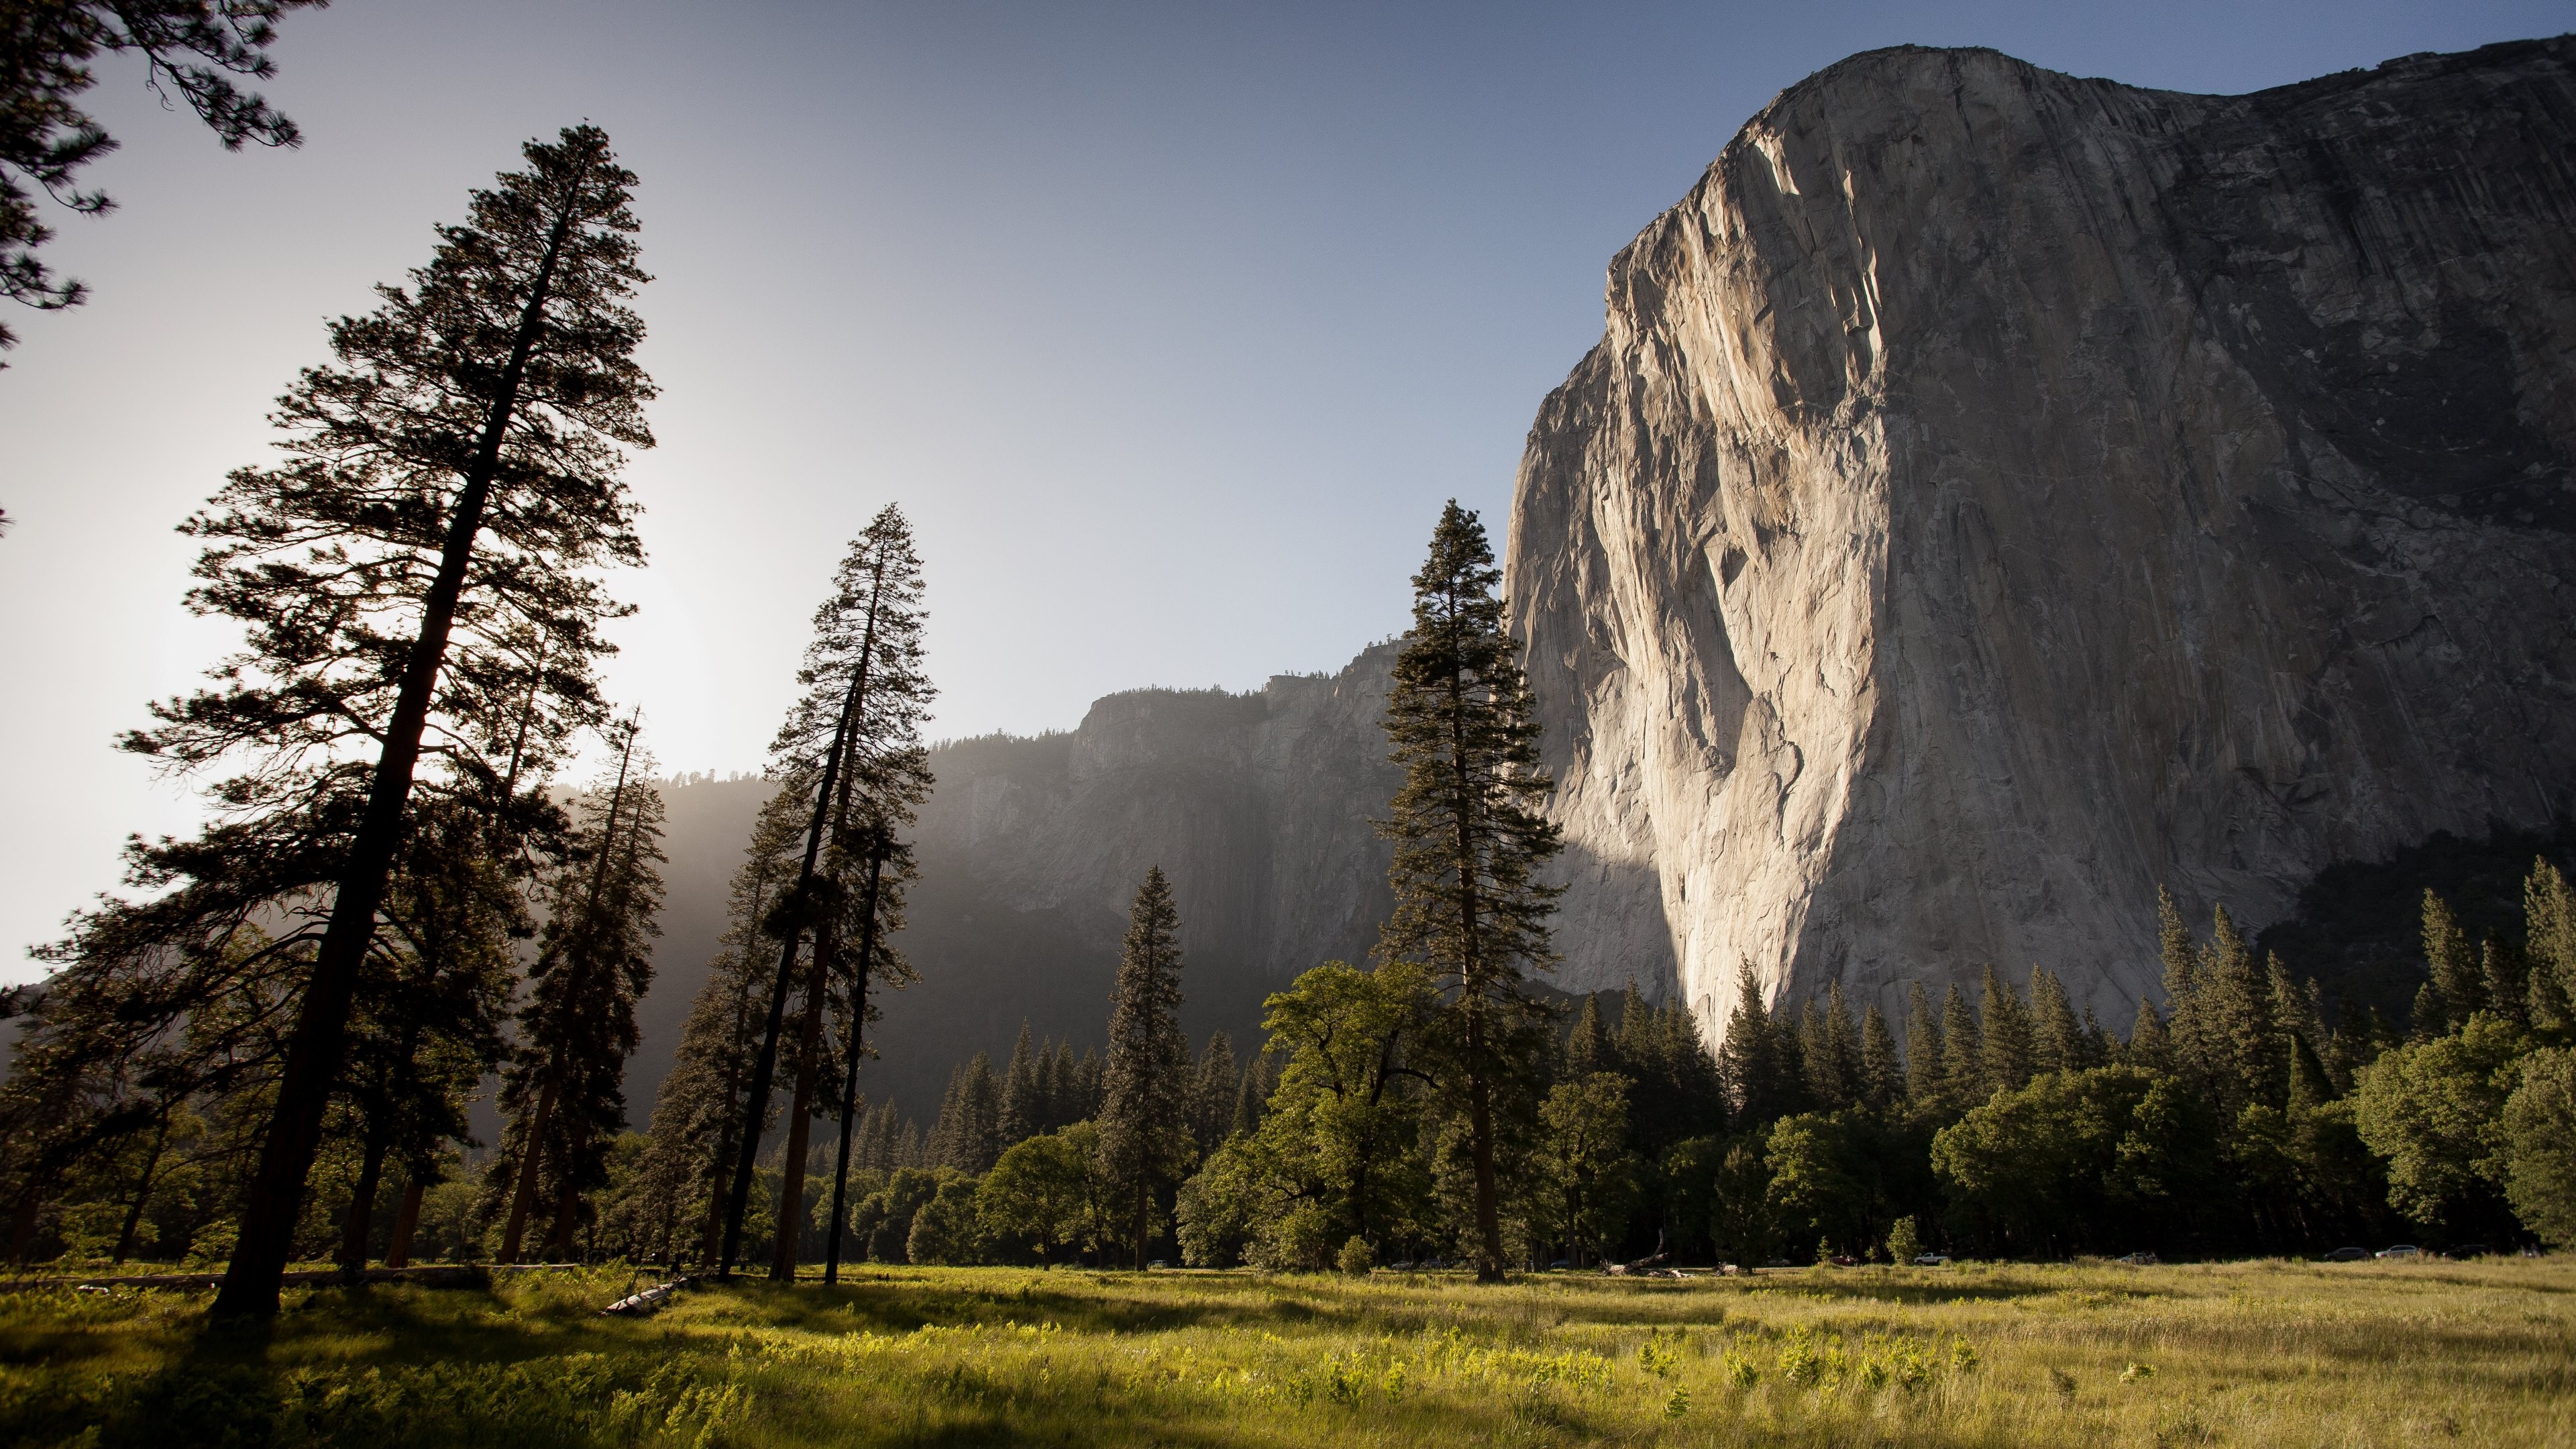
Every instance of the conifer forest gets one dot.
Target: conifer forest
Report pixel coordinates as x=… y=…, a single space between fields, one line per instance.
x=332 y=1123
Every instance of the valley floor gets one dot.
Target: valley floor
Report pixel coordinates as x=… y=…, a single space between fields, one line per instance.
x=2252 y=1353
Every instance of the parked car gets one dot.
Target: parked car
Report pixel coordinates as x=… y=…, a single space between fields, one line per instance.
x=1844 y=1260
x=2139 y=1260
x=2469 y=1250
x=2347 y=1255
x=1932 y=1260
x=2401 y=1250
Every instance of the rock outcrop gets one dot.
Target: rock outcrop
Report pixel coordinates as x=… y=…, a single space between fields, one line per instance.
x=1996 y=493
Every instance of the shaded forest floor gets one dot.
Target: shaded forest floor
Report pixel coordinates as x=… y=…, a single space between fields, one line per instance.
x=2254 y=1353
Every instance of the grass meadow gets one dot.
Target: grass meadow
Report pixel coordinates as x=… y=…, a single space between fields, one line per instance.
x=2085 y=1354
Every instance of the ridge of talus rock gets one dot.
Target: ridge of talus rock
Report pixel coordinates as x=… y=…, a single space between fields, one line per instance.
x=1997 y=493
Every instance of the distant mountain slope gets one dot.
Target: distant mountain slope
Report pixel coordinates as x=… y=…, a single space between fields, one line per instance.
x=1257 y=805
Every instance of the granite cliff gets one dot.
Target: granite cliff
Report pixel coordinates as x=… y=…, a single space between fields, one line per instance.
x=1996 y=493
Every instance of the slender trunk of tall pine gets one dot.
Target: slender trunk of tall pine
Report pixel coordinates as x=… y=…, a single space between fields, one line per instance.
x=532 y=1149
x=850 y=1073
x=765 y=1067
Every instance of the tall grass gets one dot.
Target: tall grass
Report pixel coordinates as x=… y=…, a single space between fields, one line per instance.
x=2263 y=1353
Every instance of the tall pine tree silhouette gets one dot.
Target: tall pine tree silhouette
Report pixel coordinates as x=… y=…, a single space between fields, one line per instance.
x=1469 y=841
x=578 y=1027
x=450 y=486
x=853 y=739
x=1145 y=1138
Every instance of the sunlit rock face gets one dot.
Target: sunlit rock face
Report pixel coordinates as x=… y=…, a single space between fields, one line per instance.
x=1996 y=493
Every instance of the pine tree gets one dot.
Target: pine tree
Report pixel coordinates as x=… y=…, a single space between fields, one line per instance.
x=1469 y=840
x=425 y=1024
x=697 y=1115
x=2057 y=1040
x=450 y=490
x=1023 y=1093
x=564 y=1092
x=1090 y=1087
x=853 y=739
x=2549 y=919
x=2149 y=1048
x=2004 y=1028
x=1212 y=1093
x=1063 y=1089
x=1830 y=1049
x=1144 y=1140
x=1252 y=1099
x=1882 y=1071
x=968 y=1134
x=2182 y=1023
x=1926 y=1079
x=1758 y=1060
x=2242 y=1050
x=2458 y=984
x=1963 y=1054
x=1588 y=1048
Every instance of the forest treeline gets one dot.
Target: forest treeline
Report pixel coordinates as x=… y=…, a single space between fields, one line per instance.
x=2239 y=1116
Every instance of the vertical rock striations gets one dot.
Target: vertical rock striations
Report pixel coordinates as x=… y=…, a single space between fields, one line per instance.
x=1996 y=493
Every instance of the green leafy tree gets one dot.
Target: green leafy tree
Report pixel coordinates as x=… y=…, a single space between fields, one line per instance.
x=1047 y=1192
x=947 y=1229
x=1343 y=1109
x=2539 y=1131
x=1144 y=1133
x=1469 y=841
x=2432 y=1109
x=1591 y=1178
x=2078 y=1159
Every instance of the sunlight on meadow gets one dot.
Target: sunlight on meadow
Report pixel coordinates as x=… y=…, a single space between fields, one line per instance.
x=2262 y=1353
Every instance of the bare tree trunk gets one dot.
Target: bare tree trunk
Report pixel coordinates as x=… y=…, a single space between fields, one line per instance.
x=532 y=1149
x=362 y=1206
x=406 y=1223
x=22 y=1233
x=142 y=1191
x=275 y=1200
x=850 y=1077
x=800 y=1119
x=567 y=1203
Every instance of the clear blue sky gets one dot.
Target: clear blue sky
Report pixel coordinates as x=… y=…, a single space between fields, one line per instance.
x=1171 y=325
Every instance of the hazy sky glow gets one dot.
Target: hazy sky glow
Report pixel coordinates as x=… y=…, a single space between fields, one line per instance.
x=1171 y=326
